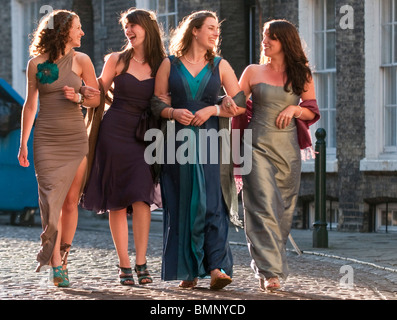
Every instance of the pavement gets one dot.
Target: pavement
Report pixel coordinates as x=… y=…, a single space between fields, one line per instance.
x=355 y=266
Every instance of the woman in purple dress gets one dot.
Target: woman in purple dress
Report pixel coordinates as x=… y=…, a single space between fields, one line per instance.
x=120 y=179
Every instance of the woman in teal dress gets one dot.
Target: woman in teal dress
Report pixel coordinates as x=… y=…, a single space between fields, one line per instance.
x=198 y=192
x=283 y=106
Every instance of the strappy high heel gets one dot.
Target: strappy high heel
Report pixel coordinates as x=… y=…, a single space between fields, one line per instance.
x=143 y=274
x=269 y=284
x=64 y=255
x=59 y=277
x=125 y=276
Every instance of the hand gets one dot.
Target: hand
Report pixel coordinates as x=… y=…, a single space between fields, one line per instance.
x=183 y=116
x=23 y=156
x=89 y=92
x=229 y=106
x=70 y=94
x=201 y=116
x=284 y=118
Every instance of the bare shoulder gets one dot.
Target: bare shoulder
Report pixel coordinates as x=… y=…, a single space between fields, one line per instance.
x=165 y=65
x=33 y=62
x=252 y=70
x=255 y=68
x=224 y=64
x=82 y=57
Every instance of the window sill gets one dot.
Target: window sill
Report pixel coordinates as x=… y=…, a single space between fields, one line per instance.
x=378 y=165
x=330 y=167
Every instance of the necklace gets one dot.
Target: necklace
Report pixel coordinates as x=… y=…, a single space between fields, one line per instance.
x=193 y=62
x=139 y=61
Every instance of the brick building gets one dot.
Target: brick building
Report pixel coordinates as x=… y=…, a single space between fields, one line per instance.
x=352 y=48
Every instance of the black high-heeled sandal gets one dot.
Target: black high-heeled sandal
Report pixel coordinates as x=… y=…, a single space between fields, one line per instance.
x=143 y=274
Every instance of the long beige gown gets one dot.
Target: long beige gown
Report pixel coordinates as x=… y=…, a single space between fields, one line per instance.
x=271 y=189
x=60 y=144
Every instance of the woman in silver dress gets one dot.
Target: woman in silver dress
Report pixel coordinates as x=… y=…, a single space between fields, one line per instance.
x=283 y=94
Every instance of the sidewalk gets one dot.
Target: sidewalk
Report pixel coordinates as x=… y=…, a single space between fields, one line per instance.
x=356 y=266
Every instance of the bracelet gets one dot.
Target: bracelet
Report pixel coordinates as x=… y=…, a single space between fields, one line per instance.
x=81 y=98
x=170 y=112
x=218 y=110
x=299 y=113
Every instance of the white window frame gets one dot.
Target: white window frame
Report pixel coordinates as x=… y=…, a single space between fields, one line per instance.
x=19 y=38
x=376 y=159
x=306 y=30
x=336 y=213
x=154 y=5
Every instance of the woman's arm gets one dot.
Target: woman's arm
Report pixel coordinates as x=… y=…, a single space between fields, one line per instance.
x=296 y=111
x=230 y=84
x=85 y=69
x=244 y=85
x=28 y=112
x=183 y=116
x=89 y=77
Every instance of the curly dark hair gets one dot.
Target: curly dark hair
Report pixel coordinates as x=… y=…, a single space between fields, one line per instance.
x=297 y=64
x=52 y=34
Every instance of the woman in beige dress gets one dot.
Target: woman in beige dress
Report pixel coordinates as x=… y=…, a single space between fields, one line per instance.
x=60 y=145
x=283 y=107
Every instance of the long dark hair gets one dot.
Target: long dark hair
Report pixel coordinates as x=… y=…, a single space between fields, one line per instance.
x=153 y=44
x=297 y=64
x=52 y=34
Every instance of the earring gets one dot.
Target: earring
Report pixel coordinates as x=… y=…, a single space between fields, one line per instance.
x=196 y=37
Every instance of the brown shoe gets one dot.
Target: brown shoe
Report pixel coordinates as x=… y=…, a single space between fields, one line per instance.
x=220 y=280
x=186 y=284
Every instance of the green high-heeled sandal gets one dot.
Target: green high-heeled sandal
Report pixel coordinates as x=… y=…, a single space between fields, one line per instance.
x=125 y=276
x=64 y=255
x=143 y=274
x=59 y=277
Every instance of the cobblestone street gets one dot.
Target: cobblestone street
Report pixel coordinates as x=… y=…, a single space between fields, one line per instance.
x=93 y=272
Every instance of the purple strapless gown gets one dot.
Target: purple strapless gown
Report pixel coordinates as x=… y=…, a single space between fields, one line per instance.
x=120 y=176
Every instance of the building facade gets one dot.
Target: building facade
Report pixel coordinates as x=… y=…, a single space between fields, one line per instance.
x=352 y=48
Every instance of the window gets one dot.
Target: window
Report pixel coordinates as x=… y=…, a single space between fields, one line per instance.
x=380 y=86
x=386 y=217
x=389 y=69
x=25 y=17
x=325 y=67
x=317 y=31
x=167 y=14
x=331 y=216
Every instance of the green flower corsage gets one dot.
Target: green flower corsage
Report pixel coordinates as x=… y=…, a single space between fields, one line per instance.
x=47 y=72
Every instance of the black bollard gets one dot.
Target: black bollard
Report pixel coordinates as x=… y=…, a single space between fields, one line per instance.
x=320 y=233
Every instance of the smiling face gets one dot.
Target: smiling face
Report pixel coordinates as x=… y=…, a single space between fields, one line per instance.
x=208 y=34
x=75 y=33
x=135 y=34
x=271 y=47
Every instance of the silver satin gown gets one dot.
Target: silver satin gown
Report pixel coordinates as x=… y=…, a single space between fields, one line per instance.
x=271 y=189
